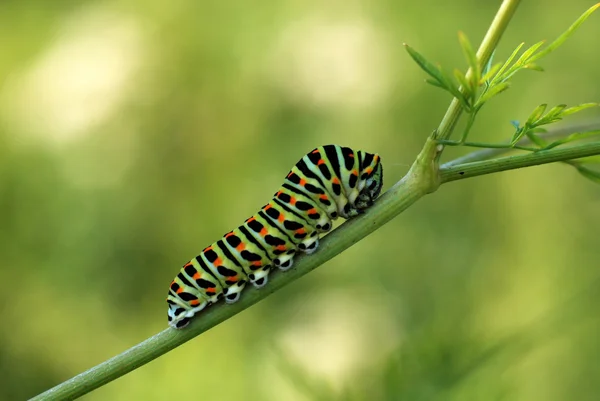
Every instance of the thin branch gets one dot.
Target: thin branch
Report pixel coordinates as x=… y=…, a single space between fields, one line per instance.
x=555 y=133
x=474 y=169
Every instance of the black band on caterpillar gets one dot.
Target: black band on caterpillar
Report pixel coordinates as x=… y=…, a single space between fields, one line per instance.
x=330 y=182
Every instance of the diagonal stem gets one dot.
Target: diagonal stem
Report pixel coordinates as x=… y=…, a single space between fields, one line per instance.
x=555 y=133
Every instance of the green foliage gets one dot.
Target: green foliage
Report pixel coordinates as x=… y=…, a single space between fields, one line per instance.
x=479 y=85
x=537 y=119
x=439 y=77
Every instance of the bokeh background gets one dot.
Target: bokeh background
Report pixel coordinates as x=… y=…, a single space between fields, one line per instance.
x=134 y=133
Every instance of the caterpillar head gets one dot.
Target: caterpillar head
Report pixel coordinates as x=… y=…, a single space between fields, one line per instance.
x=373 y=185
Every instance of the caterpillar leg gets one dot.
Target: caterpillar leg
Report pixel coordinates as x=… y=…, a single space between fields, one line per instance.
x=233 y=292
x=260 y=277
x=286 y=261
x=310 y=244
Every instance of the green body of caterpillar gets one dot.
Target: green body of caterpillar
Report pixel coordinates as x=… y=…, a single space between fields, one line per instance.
x=329 y=182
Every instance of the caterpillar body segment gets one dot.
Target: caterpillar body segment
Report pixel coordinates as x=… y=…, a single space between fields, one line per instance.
x=329 y=182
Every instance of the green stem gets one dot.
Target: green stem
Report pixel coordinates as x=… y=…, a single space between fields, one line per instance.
x=474 y=169
x=554 y=133
x=489 y=43
x=470 y=122
x=488 y=145
x=423 y=178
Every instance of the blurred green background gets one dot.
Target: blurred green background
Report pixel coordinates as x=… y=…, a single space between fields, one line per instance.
x=134 y=133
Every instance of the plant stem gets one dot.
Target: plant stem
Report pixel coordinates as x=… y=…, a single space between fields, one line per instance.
x=474 y=169
x=422 y=178
x=554 y=133
x=489 y=43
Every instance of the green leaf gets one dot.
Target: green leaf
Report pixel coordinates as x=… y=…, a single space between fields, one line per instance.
x=518 y=135
x=440 y=78
x=525 y=57
x=451 y=87
x=499 y=76
x=562 y=38
x=471 y=60
x=589 y=173
x=552 y=116
x=490 y=93
x=578 y=108
x=536 y=114
x=460 y=77
x=571 y=138
x=426 y=66
x=492 y=71
x=435 y=83
x=533 y=67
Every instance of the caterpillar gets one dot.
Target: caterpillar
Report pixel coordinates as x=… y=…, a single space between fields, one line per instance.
x=329 y=182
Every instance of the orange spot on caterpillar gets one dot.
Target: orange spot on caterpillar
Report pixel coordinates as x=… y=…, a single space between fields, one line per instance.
x=281 y=218
x=194 y=302
x=263 y=232
x=179 y=290
x=197 y=276
x=368 y=170
x=241 y=246
x=335 y=180
x=251 y=219
x=211 y=291
x=315 y=151
x=229 y=234
x=301 y=231
x=312 y=211
x=302 y=182
x=267 y=206
x=208 y=248
x=234 y=279
x=351 y=155
x=280 y=247
x=323 y=197
x=321 y=161
x=218 y=262
x=292 y=200
x=257 y=264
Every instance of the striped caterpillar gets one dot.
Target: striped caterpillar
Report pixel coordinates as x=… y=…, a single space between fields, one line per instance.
x=329 y=182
